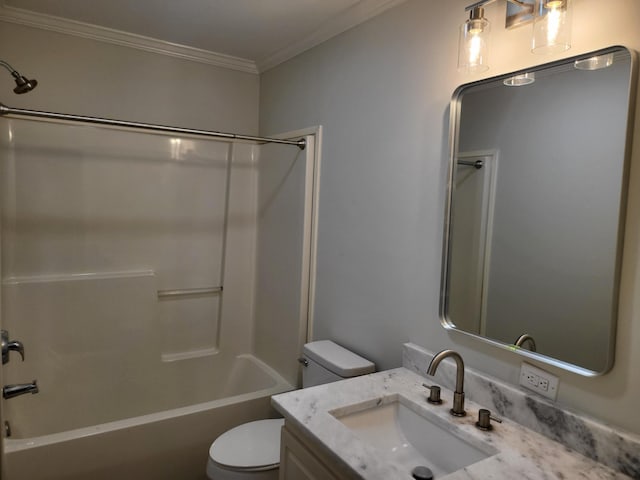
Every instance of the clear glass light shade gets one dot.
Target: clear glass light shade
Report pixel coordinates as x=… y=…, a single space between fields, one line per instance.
x=595 y=63
x=520 y=80
x=551 y=26
x=473 y=49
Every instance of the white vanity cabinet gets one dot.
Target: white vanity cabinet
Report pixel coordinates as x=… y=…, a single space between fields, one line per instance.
x=300 y=460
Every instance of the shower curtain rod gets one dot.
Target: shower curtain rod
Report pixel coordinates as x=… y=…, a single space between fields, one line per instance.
x=8 y=111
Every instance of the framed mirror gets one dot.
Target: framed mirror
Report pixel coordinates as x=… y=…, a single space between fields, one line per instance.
x=535 y=215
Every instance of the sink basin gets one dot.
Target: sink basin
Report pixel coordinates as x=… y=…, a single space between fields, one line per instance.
x=413 y=439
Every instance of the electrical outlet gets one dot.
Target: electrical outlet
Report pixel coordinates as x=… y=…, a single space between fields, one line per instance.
x=532 y=380
x=539 y=381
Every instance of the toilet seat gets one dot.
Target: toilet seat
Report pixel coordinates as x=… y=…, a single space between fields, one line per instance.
x=253 y=446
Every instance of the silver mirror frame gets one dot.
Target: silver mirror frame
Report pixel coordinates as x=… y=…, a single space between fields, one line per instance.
x=454 y=126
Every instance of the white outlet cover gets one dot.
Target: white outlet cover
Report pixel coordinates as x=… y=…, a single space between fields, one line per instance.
x=527 y=370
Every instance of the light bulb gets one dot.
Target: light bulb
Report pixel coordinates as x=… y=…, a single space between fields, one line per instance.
x=551 y=27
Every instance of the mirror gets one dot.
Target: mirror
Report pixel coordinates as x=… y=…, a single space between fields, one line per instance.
x=536 y=209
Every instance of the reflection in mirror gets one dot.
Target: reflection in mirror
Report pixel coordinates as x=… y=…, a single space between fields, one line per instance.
x=538 y=176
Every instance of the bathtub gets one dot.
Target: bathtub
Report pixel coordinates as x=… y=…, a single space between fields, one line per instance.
x=171 y=444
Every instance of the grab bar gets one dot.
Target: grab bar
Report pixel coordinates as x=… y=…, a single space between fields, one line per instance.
x=189 y=291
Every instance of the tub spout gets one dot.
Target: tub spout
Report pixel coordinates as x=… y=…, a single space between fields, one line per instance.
x=10 y=391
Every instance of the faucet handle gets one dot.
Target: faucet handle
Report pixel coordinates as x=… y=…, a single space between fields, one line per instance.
x=434 y=394
x=7 y=345
x=484 y=420
x=17 y=346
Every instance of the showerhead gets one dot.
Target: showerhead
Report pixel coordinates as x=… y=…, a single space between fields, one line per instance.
x=23 y=84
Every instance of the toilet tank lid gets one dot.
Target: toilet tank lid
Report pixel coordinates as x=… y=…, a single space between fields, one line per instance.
x=338 y=359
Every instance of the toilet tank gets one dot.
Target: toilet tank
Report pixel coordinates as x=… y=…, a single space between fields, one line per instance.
x=325 y=361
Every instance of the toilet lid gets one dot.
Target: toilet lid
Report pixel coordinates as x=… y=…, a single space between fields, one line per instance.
x=250 y=445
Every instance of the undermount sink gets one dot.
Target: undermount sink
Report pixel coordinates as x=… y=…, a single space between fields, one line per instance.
x=413 y=439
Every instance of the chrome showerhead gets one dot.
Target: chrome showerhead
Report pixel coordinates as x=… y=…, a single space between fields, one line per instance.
x=23 y=84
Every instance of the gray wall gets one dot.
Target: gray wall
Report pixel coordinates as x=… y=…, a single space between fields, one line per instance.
x=381 y=92
x=87 y=77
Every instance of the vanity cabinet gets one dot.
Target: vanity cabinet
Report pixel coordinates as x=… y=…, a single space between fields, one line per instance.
x=301 y=460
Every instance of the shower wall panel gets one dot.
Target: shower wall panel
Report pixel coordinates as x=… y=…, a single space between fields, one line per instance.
x=84 y=199
x=95 y=224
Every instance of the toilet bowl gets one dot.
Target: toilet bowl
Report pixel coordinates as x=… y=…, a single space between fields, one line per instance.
x=251 y=451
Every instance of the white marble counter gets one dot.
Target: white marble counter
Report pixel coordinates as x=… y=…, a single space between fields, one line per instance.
x=522 y=453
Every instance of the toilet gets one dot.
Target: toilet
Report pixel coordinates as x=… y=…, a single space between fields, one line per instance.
x=251 y=451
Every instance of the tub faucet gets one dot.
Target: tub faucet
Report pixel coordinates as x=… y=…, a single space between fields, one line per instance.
x=10 y=391
x=458 y=395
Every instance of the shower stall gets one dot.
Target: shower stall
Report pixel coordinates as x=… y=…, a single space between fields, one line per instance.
x=160 y=284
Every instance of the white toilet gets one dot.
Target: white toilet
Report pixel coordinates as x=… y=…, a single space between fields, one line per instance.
x=252 y=451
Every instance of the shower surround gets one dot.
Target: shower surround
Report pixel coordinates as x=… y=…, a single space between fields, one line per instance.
x=160 y=285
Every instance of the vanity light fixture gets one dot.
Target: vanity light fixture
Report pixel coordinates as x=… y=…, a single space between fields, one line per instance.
x=551 y=30
x=551 y=26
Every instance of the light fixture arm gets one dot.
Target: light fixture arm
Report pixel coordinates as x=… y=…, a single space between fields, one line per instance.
x=481 y=3
x=527 y=6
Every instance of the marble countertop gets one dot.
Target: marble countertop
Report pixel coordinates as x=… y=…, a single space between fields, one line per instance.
x=522 y=453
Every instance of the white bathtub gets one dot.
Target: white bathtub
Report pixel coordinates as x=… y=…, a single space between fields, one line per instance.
x=172 y=444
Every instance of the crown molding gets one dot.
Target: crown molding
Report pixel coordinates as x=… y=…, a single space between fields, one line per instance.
x=116 y=37
x=355 y=15
x=359 y=13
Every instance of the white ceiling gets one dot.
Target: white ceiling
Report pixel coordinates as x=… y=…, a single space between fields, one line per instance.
x=255 y=30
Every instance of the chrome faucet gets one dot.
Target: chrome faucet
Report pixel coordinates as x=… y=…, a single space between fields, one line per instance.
x=458 y=395
x=10 y=391
x=522 y=339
